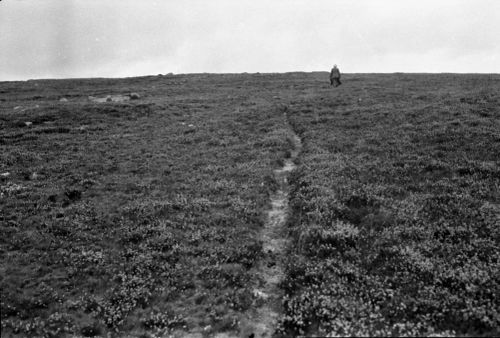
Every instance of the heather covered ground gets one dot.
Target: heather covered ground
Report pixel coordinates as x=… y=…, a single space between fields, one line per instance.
x=396 y=208
x=144 y=217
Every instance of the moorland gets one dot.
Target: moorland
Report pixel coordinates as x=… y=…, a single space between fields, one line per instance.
x=143 y=217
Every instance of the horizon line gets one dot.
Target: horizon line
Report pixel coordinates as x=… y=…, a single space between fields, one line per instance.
x=247 y=73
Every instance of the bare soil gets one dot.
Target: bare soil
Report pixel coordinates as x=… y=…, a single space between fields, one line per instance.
x=262 y=320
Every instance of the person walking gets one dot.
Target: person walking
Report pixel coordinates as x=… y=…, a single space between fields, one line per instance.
x=335 y=77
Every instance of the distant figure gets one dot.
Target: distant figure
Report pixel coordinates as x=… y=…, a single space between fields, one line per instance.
x=335 y=77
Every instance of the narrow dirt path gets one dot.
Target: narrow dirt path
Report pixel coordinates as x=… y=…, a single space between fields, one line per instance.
x=262 y=320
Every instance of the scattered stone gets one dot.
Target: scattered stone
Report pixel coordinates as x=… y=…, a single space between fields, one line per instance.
x=110 y=98
x=95 y=99
x=276 y=97
x=4 y=176
x=121 y=98
x=260 y=294
x=33 y=176
x=134 y=96
x=191 y=125
x=27 y=124
x=63 y=99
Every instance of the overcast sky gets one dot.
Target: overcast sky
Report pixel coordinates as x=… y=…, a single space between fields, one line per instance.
x=117 y=38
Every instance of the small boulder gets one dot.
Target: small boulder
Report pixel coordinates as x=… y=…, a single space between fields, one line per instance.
x=28 y=123
x=119 y=98
x=109 y=99
x=97 y=99
x=134 y=96
x=63 y=99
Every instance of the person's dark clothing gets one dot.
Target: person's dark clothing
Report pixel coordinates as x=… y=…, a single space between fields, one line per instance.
x=335 y=82
x=335 y=77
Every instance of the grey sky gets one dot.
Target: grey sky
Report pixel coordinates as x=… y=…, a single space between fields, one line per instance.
x=115 y=38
